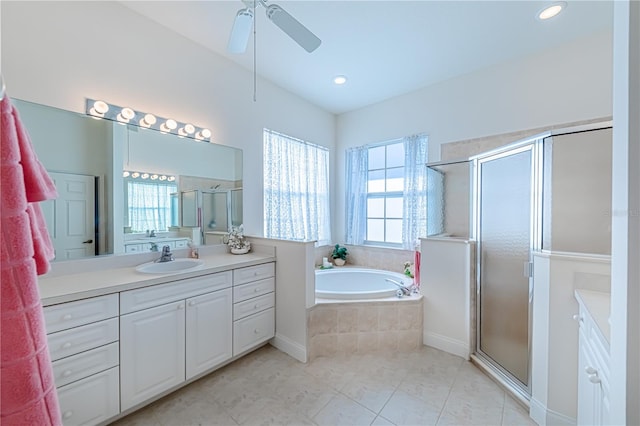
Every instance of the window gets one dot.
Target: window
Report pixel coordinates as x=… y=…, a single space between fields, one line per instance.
x=386 y=192
x=296 y=189
x=148 y=205
x=385 y=185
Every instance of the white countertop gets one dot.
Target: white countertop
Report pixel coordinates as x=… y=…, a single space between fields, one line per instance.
x=73 y=286
x=598 y=304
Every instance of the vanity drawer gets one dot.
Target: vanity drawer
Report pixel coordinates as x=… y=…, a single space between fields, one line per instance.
x=252 y=306
x=253 y=330
x=81 y=312
x=181 y=243
x=148 y=297
x=135 y=248
x=253 y=273
x=80 y=339
x=92 y=400
x=79 y=366
x=254 y=289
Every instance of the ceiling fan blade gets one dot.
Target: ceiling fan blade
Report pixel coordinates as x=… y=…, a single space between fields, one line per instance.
x=294 y=29
x=241 y=31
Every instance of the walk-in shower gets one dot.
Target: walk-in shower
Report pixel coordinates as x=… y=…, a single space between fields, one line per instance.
x=550 y=192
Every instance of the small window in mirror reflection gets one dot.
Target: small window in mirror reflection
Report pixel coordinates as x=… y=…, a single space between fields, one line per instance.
x=148 y=205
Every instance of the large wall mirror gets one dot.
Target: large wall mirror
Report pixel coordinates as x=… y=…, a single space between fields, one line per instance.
x=124 y=188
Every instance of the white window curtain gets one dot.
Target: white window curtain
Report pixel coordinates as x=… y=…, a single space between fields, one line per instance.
x=149 y=205
x=414 y=224
x=296 y=189
x=356 y=194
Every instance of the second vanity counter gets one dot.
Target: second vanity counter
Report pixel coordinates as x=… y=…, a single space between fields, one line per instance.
x=86 y=278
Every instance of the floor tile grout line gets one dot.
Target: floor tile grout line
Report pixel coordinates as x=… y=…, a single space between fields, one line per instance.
x=453 y=382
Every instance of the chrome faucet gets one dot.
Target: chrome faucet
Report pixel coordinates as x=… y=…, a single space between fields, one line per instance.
x=152 y=234
x=405 y=290
x=166 y=255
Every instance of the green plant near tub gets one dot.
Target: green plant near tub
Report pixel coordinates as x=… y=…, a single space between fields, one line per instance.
x=339 y=254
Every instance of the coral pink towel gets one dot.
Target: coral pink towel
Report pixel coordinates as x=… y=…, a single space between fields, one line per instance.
x=27 y=389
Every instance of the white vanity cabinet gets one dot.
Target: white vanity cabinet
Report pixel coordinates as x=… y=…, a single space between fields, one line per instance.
x=253 y=306
x=83 y=343
x=593 y=358
x=142 y=246
x=172 y=332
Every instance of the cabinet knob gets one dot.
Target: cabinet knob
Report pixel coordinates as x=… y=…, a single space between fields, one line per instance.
x=594 y=379
x=66 y=345
x=67 y=414
x=181 y=306
x=66 y=373
x=192 y=303
x=255 y=290
x=256 y=331
x=577 y=317
x=255 y=306
x=67 y=317
x=590 y=370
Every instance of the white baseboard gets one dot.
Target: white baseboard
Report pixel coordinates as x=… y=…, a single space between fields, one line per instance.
x=290 y=347
x=447 y=344
x=543 y=416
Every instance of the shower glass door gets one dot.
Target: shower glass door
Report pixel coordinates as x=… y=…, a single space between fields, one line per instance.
x=505 y=228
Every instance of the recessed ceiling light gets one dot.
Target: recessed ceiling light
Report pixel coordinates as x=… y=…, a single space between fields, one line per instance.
x=340 y=79
x=551 y=10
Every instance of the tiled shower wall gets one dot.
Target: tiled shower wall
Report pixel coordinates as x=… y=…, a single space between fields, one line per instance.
x=370 y=257
x=364 y=327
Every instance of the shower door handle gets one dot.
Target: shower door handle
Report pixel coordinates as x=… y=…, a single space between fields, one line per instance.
x=528 y=269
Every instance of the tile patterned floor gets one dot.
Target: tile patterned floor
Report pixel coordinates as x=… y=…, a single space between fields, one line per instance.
x=424 y=387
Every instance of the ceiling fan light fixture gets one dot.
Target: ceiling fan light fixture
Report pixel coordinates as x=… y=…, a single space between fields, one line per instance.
x=241 y=31
x=293 y=28
x=551 y=11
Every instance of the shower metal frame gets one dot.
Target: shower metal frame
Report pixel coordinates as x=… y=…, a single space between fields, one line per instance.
x=535 y=145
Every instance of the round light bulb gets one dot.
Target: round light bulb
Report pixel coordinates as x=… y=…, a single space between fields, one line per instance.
x=171 y=124
x=100 y=107
x=125 y=174
x=144 y=175
x=171 y=178
x=206 y=133
x=135 y=175
x=154 y=177
x=127 y=113
x=189 y=129
x=148 y=120
x=163 y=177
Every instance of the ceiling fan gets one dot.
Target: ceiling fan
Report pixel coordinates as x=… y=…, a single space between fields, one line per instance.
x=291 y=26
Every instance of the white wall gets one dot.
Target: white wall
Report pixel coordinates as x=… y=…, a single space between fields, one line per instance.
x=625 y=232
x=567 y=84
x=59 y=53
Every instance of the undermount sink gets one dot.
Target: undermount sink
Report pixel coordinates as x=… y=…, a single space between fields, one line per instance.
x=171 y=267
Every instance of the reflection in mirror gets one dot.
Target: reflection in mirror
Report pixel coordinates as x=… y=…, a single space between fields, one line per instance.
x=89 y=156
x=148 y=204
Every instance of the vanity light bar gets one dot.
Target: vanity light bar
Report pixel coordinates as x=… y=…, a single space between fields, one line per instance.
x=147 y=175
x=126 y=115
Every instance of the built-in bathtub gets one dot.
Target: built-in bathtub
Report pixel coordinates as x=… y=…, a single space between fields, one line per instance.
x=357 y=311
x=359 y=283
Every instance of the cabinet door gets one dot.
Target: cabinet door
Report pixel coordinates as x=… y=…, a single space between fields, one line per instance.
x=151 y=352
x=588 y=392
x=91 y=400
x=209 y=326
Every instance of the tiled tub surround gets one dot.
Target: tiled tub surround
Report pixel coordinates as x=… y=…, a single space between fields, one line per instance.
x=370 y=257
x=362 y=327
